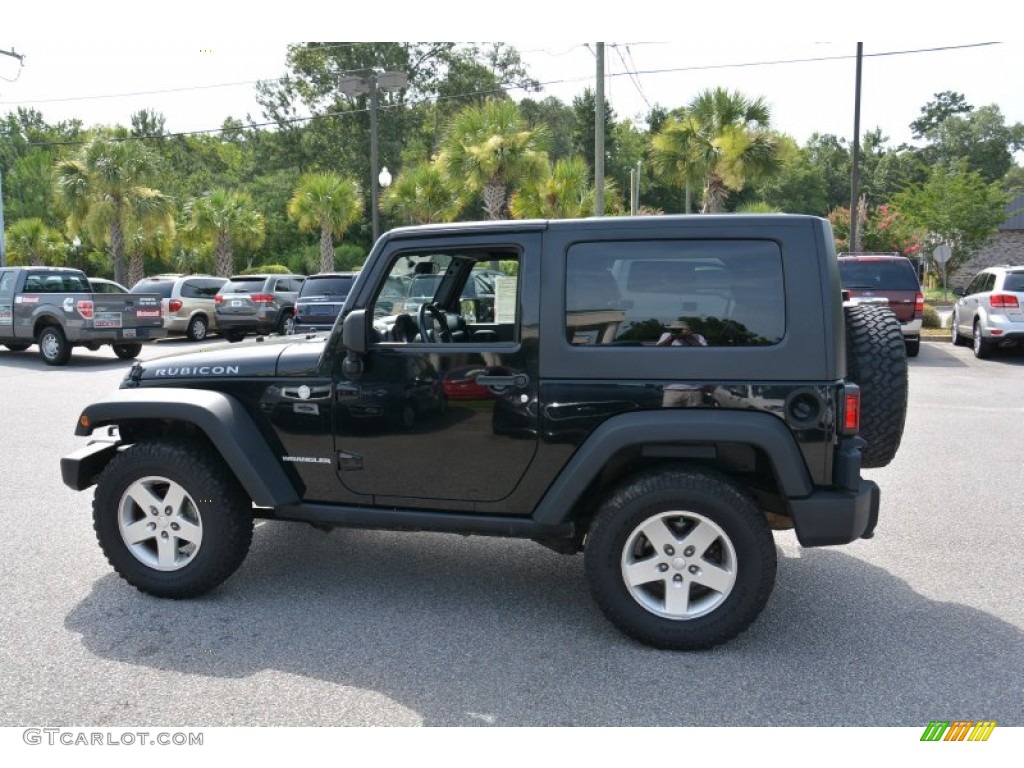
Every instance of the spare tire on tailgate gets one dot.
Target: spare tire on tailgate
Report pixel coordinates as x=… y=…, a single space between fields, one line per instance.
x=876 y=361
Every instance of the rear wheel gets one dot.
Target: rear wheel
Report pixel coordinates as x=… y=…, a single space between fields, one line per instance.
x=197 y=329
x=234 y=336
x=876 y=360
x=913 y=347
x=171 y=519
x=680 y=558
x=982 y=346
x=127 y=351
x=53 y=346
x=954 y=331
x=286 y=323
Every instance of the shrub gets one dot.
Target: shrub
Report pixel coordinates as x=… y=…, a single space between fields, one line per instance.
x=267 y=269
x=931 y=317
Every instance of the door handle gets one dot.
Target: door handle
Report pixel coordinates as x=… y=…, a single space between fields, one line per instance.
x=519 y=380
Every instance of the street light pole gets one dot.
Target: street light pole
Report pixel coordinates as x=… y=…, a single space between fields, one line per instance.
x=371 y=84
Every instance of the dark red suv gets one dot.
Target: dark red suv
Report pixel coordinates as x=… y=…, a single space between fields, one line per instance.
x=890 y=280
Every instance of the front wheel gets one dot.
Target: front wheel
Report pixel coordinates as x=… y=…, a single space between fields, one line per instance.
x=127 y=351
x=171 y=519
x=53 y=346
x=680 y=558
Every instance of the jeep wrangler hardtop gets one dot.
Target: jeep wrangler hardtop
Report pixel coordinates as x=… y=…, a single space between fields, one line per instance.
x=574 y=409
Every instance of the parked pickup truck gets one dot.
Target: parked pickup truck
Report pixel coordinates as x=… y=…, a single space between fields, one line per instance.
x=56 y=308
x=568 y=415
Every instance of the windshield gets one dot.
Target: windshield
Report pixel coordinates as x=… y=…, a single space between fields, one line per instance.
x=424 y=285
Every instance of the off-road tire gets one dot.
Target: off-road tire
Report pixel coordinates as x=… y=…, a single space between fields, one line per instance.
x=17 y=347
x=876 y=360
x=711 y=499
x=53 y=345
x=223 y=509
x=127 y=351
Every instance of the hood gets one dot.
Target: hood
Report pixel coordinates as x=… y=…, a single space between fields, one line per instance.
x=257 y=359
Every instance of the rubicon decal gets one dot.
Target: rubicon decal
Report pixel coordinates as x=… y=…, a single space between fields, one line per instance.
x=199 y=370
x=958 y=730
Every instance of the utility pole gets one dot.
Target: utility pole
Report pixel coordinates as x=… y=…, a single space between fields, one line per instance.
x=855 y=172
x=372 y=84
x=599 y=134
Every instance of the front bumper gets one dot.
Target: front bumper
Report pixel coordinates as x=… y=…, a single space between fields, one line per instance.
x=115 y=335
x=80 y=469
x=836 y=517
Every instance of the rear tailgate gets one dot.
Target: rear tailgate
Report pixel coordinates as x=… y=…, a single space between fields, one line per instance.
x=128 y=313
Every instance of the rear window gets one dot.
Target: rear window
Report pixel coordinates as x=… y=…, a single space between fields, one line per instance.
x=162 y=287
x=878 y=275
x=1014 y=282
x=327 y=286
x=201 y=288
x=685 y=292
x=243 y=285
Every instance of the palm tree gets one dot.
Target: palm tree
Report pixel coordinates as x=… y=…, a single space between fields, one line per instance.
x=721 y=141
x=33 y=243
x=423 y=195
x=488 y=148
x=329 y=203
x=565 y=192
x=98 y=186
x=150 y=229
x=223 y=219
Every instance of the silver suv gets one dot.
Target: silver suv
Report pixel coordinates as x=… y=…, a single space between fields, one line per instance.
x=187 y=302
x=990 y=311
x=260 y=303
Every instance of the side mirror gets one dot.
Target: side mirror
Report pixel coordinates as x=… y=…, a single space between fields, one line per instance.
x=959 y=292
x=353 y=338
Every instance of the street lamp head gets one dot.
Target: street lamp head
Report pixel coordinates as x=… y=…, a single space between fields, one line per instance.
x=76 y=243
x=385 y=178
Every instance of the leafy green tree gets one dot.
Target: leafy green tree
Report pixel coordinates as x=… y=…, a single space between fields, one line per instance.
x=957 y=207
x=797 y=187
x=982 y=138
x=566 y=192
x=557 y=118
x=934 y=113
x=830 y=158
x=29 y=184
x=884 y=230
x=489 y=149
x=31 y=242
x=98 y=188
x=327 y=203
x=220 y=220
x=422 y=194
x=722 y=139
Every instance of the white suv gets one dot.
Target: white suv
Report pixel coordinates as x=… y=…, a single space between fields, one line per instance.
x=990 y=311
x=187 y=301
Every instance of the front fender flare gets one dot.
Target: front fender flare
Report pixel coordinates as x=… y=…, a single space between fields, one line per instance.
x=223 y=420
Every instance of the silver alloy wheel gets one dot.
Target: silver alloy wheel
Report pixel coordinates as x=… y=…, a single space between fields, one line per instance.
x=679 y=565
x=954 y=334
x=160 y=523
x=50 y=346
x=979 y=344
x=198 y=328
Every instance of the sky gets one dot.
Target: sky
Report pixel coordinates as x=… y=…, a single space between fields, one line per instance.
x=199 y=65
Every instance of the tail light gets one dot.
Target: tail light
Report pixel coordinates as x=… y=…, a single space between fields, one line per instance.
x=919 y=304
x=174 y=305
x=262 y=298
x=1003 y=301
x=851 y=409
x=85 y=308
x=218 y=299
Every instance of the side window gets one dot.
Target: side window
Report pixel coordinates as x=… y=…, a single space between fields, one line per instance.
x=714 y=293
x=457 y=296
x=972 y=287
x=989 y=284
x=7 y=284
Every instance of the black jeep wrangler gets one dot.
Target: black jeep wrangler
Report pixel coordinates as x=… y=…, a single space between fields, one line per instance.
x=659 y=393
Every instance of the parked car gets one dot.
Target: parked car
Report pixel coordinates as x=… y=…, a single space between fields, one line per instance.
x=187 y=302
x=989 y=311
x=257 y=303
x=320 y=301
x=102 y=285
x=889 y=280
x=479 y=290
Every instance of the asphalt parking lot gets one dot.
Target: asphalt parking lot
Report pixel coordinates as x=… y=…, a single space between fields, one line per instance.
x=924 y=622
